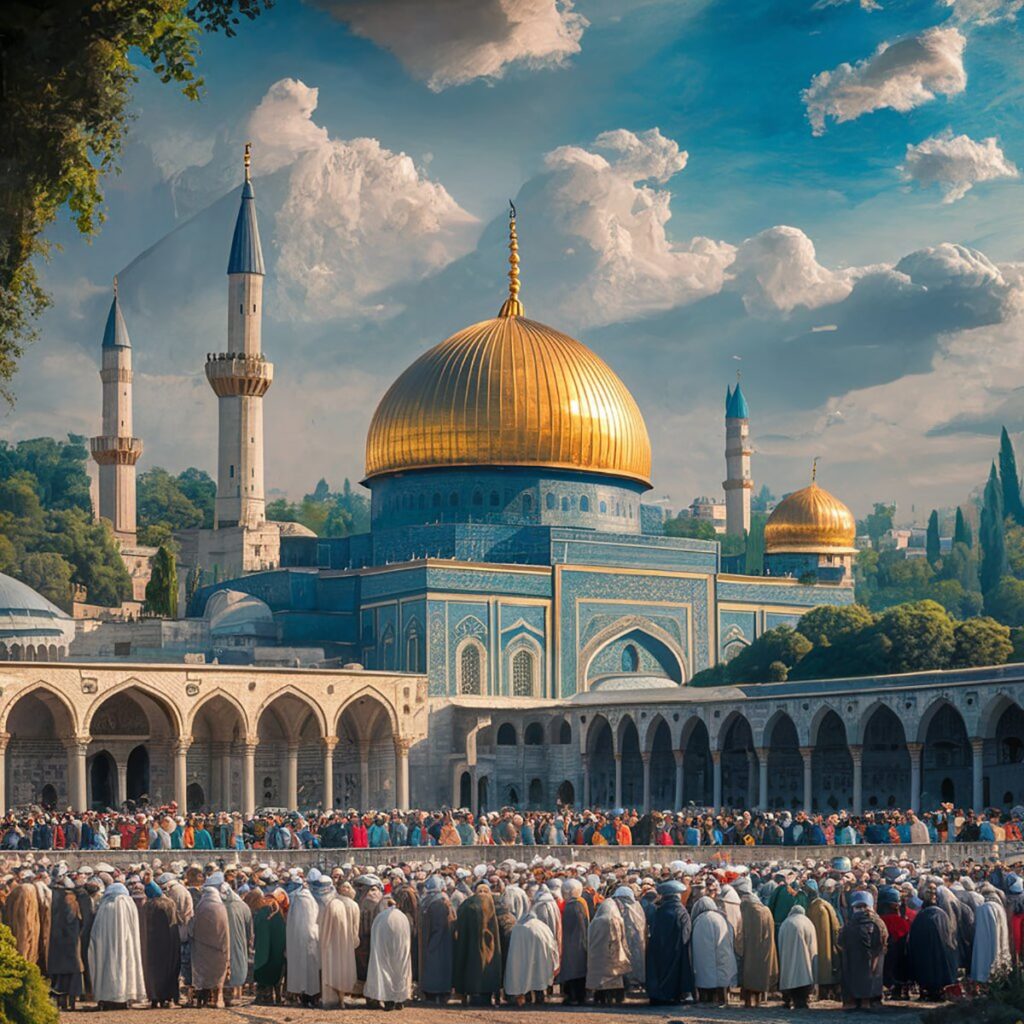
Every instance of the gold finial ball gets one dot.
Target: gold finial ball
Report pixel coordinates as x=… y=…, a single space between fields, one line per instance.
x=810 y=521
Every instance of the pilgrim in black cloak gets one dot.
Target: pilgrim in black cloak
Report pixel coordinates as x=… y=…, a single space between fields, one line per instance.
x=477 y=968
x=88 y=900
x=435 y=934
x=669 y=972
x=161 y=946
x=572 y=971
x=932 y=948
x=64 y=956
x=862 y=943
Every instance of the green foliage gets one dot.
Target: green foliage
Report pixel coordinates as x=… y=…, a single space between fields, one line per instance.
x=68 y=73
x=174 y=502
x=761 y=500
x=326 y=513
x=1012 y=505
x=753 y=664
x=1006 y=602
x=962 y=533
x=919 y=634
x=828 y=624
x=24 y=994
x=688 y=526
x=48 y=574
x=778 y=672
x=877 y=523
x=993 y=541
x=933 y=544
x=754 y=558
x=718 y=675
x=981 y=641
x=89 y=547
x=731 y=544
x=1017 y=639
x=162 y=588
x=57 y=467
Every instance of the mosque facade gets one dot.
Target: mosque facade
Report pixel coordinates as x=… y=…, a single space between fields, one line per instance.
x=515 y=628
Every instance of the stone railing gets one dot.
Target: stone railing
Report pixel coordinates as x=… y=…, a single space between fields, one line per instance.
x=922 y=854
x=234 y=373
x=107 y=450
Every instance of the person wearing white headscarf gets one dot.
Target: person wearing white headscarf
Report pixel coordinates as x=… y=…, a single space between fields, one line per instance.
x=115 y=951
x=240 y=939
x=798 y=958
x=302 y=946
x=607 y=954
x=635 y=922
x=532 y=957
x=339 y=936
x=211 y=943
x=714 y=955
x=517 y=902
x=991 y=936
x=545 y=906
x=389 y=974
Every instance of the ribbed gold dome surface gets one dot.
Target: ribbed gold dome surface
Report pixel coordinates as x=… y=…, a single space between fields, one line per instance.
x=509 y=392
x=808 y=521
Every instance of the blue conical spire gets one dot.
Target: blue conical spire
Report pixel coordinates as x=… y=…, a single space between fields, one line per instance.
x=737 y=408
x=246 y=254
x=115 y=334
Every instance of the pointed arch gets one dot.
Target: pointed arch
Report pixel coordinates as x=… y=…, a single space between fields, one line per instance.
x=52 y=693
x=290 y=691
x=991 y=713
x=767 y=735
x=224 y=695
x=930 y=712
x=818 y=720
x=166 y=704
x=651 y=729
x=369 y=692
x=620 y=628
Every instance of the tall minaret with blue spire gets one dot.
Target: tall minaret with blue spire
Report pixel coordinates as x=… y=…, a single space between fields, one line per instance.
x=116 y=450
x=241 y=376
x=738 y=483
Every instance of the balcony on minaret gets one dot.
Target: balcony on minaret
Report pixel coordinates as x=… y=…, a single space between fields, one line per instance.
x=238 y=374
x=116 y=451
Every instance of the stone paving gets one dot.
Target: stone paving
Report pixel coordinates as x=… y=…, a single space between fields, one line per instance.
x=248 y=1013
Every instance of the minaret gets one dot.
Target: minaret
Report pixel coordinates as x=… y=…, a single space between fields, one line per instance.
x=738 y=483
x=240 y=377
x=115 y=449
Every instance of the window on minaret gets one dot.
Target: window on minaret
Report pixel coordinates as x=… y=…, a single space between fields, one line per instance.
x=522 y=674
x=469 y=669
x=231 y=472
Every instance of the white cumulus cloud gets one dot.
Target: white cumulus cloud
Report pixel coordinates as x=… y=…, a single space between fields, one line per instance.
x=452 y=42
x=956 y=163
x=900 y=75
x=984 y=12
x=356 y=217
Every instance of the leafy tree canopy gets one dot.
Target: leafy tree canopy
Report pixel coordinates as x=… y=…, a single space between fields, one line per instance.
x=325 y=512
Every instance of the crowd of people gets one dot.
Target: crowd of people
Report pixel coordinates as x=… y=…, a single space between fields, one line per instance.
x=181 y=932
x=166 y=828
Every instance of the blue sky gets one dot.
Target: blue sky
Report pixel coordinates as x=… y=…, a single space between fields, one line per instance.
x=695 y=181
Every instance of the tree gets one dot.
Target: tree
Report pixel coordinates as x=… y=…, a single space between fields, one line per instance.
x=753 y=664
x=933 y=544
x=321 y=492
x=58 y=468
x=689 y=526
x=828 y=623
x=89 y=547
x=778 y=672
x=920 y=634
x=48 y=574
x=761 y=500
x=754 y=556
x=1012 y=505
x=1006 y=602
x=161 y=500
x=993 y=541
x=67 y=79
x=962 y=530
x=878 y=523
x=24 y=995
x=162 y=588
x=980 y=641
x=199 y=487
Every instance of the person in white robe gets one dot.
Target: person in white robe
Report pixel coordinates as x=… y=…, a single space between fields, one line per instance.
x=532 y=957
x=713 y=950
x=302 y=946
x=339 y=937
x=635 y=921
x=115 y=951
x=240 y=938
x=389 y=974
x=516 y=901
x=607 y=954
x=546 y=908
x=798 y=958
x=991 y=937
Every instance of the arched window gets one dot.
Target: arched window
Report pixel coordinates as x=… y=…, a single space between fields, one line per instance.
x=506 y=736
x=388 y=648
x=495 y=499
x=604 y=508
x=527 y=504
x=630 y=659
x=523 y=674
x=478 y=498
x=470 y=671
x=584 y=504
x=453 y=499
x=565 y=733
x=423 y=501
x=412 y=649
x=549 y=501
x=534 y=735
x=565 y=504
x=437 y=500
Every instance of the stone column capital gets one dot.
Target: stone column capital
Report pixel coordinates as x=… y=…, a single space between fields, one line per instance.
x=679 y=755
x=856 y=752
x=617 y=756
x=977 y=745
x=182 y=744
x=329 y=742
x=403 y=744
x=249 y=746
x=805 y=752
x=914 y=749
x=716 y=757
x=645 y=756
x=762 y=754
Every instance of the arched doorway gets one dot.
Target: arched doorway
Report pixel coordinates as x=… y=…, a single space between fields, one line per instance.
x=481 y=794
x=566 y=794
x=39 y=724
x=290 y=753
x=137 y=780
x=48 y=797
x=946 y=761
x=535 y=794
x=886 y=762
x=601 y=763
x=632 y=766
x=663 y=768
x=465 y=790
x=103 y=781
x=831 y=766
x=195 y=798
x=785 y=766
x=214 y=757
x=365 y=757
x=698 y=777
x=738 y=764
x=1004 y=758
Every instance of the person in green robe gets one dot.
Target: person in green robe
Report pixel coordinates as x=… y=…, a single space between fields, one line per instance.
x=477 y=966
x=269 y=940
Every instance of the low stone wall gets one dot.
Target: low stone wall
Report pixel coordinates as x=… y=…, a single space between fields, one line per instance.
x=603 y=855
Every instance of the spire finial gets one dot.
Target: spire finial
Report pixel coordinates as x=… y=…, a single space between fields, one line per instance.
x=247 y=159
x=512 y=306
x=115 y=286
x=814 y=469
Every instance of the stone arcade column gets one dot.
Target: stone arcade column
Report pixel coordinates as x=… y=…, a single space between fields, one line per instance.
x=292 y=777
x=806 y=753
x=330 y=742
x=750 y=778
x=5 y=738
x=762 y=778
x=680 y=756
x=225 y=778
x=79 y=752
x=585 y=763
x=618 y=780
x=364 y=776
x=716 y=765
x=645 y=760
x=249 y=775
x=978 y=774
x=180 y=773
x=914 y=750
x=402 y=746
x=121 y=767
x=857 y=757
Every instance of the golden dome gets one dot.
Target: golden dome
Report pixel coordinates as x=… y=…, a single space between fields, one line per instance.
x=509 y=392
x=808 y=522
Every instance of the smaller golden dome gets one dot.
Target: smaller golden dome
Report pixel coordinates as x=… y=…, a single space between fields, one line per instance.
x=810 y=521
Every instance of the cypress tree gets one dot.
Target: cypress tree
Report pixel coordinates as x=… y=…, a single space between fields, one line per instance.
x=162 y=588
x=932 y=545
x=962 y=530
x=1012 y=505
x=991 y=534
